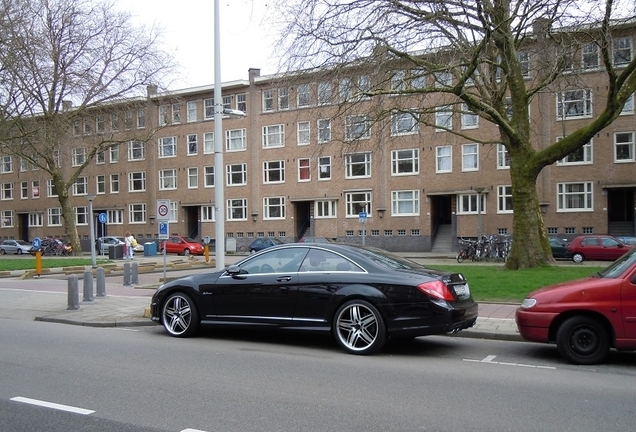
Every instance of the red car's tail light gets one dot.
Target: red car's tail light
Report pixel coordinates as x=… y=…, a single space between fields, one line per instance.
x=436 y=289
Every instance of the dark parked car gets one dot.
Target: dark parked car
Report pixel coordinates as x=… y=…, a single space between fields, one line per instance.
x=628 y=240
x=181 y=246
x=361 y=295
x=15 y=247
x=585 y=317
x=559 y=247
x=596 y=247
x=263 y=243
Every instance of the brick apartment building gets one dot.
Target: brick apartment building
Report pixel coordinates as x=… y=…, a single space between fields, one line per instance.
x=288 y=172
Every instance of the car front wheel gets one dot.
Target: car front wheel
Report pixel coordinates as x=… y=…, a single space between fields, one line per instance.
x=359 y=327
x=3 y=252
x=583 y=340
x=578 y=257
x=179 y=315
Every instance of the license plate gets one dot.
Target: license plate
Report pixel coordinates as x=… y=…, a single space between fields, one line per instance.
x=462 y=290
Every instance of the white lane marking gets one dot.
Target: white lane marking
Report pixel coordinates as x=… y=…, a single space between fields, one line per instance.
x=489 y=359
x=192 y=430
x=60 y=407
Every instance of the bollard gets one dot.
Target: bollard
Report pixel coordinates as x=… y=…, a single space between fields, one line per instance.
x=73 y=293
x=101 y=282
x=88 y=286
x=126 y=273
x=135 y=274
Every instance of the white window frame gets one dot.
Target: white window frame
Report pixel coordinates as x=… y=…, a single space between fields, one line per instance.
x=274 y=167
x=304 y=166
x=590 y=58
x=267 y=97
x=469 y=120
x=114 y=183
x=470 y=157
x=441 y=157
x=274 y=136
x=54 y=216
x=192 y=108
x=134 y=178
x=193 y=178
x=137 y=213
x=581 y=156
x=136 y=150
x=6 y=219
x=626 y=146
x=236 y=140
x=503 y=157
x=79 y=156
x=193 y=144
x=208 y=142
x=324 y=168
x=208 y=109
x=167 y=147
x=622 y=53
x=168 y=179
x=7 y=165
x=236 y=174
x=358 y=201
x=443 y=118
x=405 y=203
x=236 y=209
x=567 y=198
x=115 y=217
x=405 y=162
x=209 y=177
x=358 y=165
x=36 y=219
x=81 y=215
x=467 y=203
x=303 y=133
x=574 y=104
x=303 y=96
x=6 y=191
x=504 y=199
x=274 y=208
x=404 y=123
x=324 y=130
x=327 y=209
x=357 y=127
x=80 y=186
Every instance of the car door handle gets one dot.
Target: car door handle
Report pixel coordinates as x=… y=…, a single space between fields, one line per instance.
x=284 y=279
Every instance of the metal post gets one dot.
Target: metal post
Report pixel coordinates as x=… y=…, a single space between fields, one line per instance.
x=219 y=177
x=88 y=286
x=126 y=273
x=91 y=228
x=135 y=274
x=479 y=191
x=101 y=282
x=73 y=293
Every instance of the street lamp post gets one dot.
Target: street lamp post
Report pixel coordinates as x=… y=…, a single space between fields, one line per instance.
x=91 y=228
x=219 y=178
x=479 y=191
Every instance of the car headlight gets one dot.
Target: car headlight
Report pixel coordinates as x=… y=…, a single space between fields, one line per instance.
x=527 y=303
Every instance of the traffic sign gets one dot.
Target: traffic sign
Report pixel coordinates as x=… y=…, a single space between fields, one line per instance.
x=363 y=216
x=36 y=243
x=163 y=229
x=163 y=209
x=103 y=218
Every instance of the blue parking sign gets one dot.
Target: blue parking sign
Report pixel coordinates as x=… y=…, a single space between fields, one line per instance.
x=163 y=230
x=103 y=218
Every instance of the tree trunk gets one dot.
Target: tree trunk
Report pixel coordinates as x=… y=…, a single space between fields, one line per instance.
x=531 y=247
x=69 y=224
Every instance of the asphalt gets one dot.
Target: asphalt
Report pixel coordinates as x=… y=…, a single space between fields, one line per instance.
x=45 y=297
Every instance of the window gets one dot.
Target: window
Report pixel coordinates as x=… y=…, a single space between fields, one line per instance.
x=100 y=124
x=51 y=190
x=115 y=217
x=628 y=106
x=24 y=190
x=303 y=134
x=168 y=179
x=324 y=168
x=274 y=171
x=503 y=157
x=274 y=136
x=208 y=176
x=237 y=209
x=176 y=113
x=192 y=111
x=580 y=156
x=304 y=171
x=358 y=165
x=325 y=209
x=136 y=151
x=193 y=178
x=357 y=127
x=467 y=203
x=77 y=131
x=443 y=79
x=357 y=202
x=79 y=156
x=227 y=102
x=405 y=203
x=114 y=122
x=208 y=143
x=128 y=120
x=443 y=118
x=114 y=153
x=624 y=147
x=137 y=213
x=236 y=174
x=167 y=147
x=36 y=219
x=524 y=63
x=173 y=213
x=100 y=184
x=114 y=183
x=574 y=197
x=268 y=100
x=418 y=78
x=574 y=104
x=345 y=90
x=193 y=146
x=470 y=120
x=163 y=115
x=274 y=208
x=54 y=216
x=405 y=162
x=398 y=81
x=444 y=161
x=80 y=187
x=470 y=157
x=81 y=215
x=622 y=50
x=87 y=127
x=7 y=165
x=100 y=157
x=207 y=214
x=35 y=189
x=241 y=102
x=590 y=56
x=325 y=93
x=504 y=199
x=236 y=139
x=404 y=124
x=141 y=118
x=324 y=131
x=137 y=181
x=208 y=109
x=283 y=98
x=7 y=191
x=24 y=165
x=303 y=96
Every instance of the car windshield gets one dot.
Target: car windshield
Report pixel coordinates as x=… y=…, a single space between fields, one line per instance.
x=619 y=266
x=23 y=243
x=389 y=260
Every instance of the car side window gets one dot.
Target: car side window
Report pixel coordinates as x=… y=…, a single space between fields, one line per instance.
x=608 y=242
x=589 y=241
x=321 y=260
x=278 y=261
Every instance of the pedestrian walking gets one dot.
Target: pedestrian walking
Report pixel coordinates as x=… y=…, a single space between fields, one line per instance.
x=130 y=245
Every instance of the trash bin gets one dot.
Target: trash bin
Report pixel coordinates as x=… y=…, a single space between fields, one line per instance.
x=116 y=252
x=150 y=249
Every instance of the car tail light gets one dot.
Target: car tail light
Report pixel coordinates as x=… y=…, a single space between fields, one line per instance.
x=436 y=289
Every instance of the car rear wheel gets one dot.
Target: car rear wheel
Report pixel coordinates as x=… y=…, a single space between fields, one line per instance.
x=3 y=252
x=186 y=252
x=578 y=257
x=359 y=327
x=179 y=315
x=583 y=340
x=20 y=251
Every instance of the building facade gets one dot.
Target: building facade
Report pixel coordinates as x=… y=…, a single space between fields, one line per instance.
x=301 y=164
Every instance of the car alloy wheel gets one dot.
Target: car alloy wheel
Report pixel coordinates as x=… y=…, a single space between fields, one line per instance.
x=578 y=258
x=583 y=340
x=359 y=327
x=186 y=252
x=179 y=315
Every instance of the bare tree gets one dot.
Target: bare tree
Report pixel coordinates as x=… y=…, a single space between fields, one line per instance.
x=66 y=66
x=470 y=56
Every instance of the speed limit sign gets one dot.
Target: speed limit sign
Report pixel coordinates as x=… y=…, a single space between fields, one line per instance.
x=163 y=209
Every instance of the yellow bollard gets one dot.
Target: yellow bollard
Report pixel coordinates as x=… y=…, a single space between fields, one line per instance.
x=38 y=263
x=206 y=251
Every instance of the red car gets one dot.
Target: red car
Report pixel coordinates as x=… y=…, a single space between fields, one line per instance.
x=585 y=317
x=181 y=246
x=596 y=247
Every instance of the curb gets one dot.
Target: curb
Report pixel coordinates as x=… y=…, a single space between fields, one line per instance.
x=133 y=323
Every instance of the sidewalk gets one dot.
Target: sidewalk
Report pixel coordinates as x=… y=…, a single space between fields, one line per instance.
x=45 y=298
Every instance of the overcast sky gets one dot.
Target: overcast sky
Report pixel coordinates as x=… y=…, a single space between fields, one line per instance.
x=188 y=34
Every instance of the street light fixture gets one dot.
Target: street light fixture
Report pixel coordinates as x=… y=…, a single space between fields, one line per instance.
x=90 y=198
